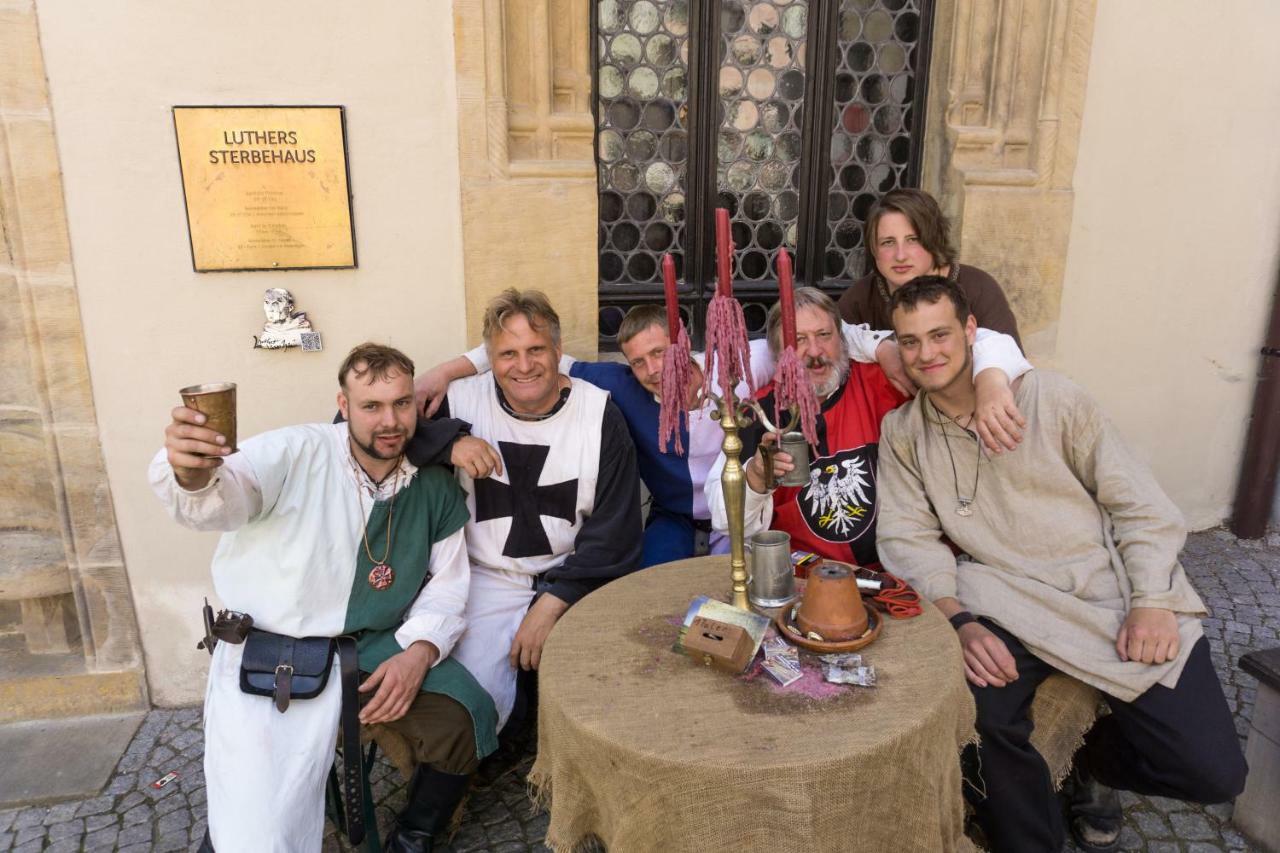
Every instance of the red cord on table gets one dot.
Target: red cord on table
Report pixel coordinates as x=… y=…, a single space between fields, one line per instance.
x=898 y=599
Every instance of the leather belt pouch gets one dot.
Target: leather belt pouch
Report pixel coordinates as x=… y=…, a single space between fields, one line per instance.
x=285 y=667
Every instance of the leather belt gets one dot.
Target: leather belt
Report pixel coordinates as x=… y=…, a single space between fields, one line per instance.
x=352 y=759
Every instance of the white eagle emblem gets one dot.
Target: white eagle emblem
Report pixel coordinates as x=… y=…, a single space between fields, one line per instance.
x=839 y=504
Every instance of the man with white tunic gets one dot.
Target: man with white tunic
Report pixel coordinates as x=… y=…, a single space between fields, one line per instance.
x=560 y=516
x=328 y=531
x=1069 y=564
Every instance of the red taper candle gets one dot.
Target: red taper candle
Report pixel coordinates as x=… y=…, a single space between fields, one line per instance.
x=673 y=297
x=724 y=254
x=787 y=298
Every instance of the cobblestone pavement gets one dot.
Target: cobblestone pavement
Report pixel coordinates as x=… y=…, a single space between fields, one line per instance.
x=1240 y=582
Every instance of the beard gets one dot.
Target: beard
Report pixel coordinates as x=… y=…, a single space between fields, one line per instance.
x=839 y=373
x=371 y=447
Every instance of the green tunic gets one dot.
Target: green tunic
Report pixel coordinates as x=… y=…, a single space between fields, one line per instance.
x=429 y=509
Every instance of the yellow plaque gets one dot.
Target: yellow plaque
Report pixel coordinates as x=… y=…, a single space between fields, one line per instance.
x=266 y=187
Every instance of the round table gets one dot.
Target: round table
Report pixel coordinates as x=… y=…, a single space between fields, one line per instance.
x=648 y=750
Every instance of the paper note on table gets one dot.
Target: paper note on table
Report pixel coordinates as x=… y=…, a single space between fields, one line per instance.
x=754 y=623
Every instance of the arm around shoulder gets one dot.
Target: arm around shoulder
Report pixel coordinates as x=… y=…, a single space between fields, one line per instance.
x=988 y=302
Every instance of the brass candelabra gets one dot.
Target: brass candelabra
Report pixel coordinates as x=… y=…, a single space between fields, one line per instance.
x=733 y=415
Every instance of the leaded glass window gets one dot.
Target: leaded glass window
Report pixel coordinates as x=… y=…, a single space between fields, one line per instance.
x=701 y=104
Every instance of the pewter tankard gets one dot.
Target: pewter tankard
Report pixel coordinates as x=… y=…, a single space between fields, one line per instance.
x=794 y=445
x=772 y=582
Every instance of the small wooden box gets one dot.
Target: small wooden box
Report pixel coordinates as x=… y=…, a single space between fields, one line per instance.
x=719 y=644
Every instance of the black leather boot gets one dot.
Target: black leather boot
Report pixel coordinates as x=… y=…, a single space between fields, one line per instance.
x=433 y=798
x=1094 y=813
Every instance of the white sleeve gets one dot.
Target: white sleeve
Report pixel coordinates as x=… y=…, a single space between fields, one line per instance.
x=437 y=613
x=758 y=512
x=479 y=358
x=998 y=350
x=226 y=503
x=762 y=362
x=863 y=340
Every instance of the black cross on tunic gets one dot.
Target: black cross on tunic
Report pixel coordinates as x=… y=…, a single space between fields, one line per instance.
x=524 y=500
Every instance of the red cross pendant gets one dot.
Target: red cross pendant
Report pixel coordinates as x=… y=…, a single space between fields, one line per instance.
x=381 y=576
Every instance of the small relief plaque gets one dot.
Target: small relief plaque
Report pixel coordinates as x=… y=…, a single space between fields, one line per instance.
x=266 y=188
x=285 y=327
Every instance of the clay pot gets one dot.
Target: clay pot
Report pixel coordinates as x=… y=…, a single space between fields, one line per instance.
x=832 y=606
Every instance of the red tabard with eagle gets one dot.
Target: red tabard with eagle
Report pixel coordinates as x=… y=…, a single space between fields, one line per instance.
x=834 y=516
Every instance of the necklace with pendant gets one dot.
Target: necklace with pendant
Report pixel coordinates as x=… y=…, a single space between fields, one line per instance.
x=381 y=576
x=964 y=505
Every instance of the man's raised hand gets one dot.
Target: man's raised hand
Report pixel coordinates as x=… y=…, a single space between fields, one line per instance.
x=398 y=680
x=193 y=450
x=475 y=456
x=1148 y=635
x=987 y=662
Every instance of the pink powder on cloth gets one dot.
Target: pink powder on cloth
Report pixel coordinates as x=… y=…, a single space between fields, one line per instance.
x=810 y=684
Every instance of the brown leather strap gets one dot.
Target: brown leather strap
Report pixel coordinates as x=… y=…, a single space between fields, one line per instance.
x=352 y=760
x=284 y=675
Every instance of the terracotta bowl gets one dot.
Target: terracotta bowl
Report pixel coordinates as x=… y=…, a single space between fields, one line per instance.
x=832 y=606
x=785 y=620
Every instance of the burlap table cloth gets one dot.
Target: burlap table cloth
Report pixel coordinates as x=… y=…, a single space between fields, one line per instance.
x=649 y=751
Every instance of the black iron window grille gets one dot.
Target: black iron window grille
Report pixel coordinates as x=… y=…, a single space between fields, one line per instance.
x=702 y=104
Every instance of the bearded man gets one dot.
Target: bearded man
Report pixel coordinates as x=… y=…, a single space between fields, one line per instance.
x=329 y=530
x=834 y=515
x=1069 y=564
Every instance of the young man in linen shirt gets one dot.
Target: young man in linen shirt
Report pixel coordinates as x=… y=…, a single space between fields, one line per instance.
x=1069 y=563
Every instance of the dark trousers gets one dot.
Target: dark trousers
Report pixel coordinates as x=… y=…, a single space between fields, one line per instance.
x=1178 y=743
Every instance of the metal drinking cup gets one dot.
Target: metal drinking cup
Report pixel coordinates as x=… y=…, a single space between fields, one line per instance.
x=772 y=582
x=217 y=402
x=794 y=445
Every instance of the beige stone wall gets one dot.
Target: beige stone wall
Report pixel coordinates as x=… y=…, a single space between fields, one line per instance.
x=528 y=175
x=1007 y=87
x=69 y=641
x=1114 y=166
x=1175 y=239
x=152 y=325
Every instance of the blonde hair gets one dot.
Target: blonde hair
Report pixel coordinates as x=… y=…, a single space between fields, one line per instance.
x=640 y=318
x=533 y=305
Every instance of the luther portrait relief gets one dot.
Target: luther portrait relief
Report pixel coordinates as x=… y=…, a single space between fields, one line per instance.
x=284 y=326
